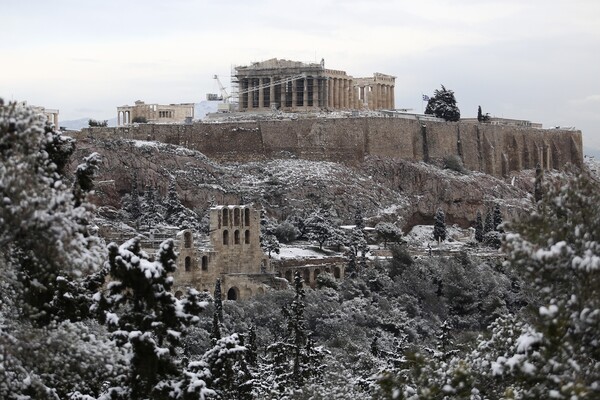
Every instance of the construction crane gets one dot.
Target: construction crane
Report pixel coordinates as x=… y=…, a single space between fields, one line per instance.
x=225 y=106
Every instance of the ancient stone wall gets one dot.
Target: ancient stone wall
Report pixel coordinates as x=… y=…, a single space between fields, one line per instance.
x=494 y=149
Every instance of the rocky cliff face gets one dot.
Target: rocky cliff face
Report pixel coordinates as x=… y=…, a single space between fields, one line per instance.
x=405 y=192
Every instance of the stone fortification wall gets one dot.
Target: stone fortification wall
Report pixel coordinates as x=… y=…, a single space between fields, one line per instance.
x=493 y=149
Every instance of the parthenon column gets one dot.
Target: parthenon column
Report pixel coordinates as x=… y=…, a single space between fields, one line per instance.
x=261 y=94
x=250 y=93
x=315 y=92
x=305 y=93
x=346 y=94
x=393 y=97
x=271 y=92
x=338 y=93
x=329 y=92
x=282 y=94
x=294 y=94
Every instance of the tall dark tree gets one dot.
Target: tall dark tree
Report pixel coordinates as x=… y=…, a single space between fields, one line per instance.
x=497 y=217
x=218 y=300
x=479 y=227
x=142 y=313
x=320 y=226
x=538 y=189
x=134 y=207
x=488 y=225
x=295 y=359
x=443 y=105
x=439 y=226
x=479 y=114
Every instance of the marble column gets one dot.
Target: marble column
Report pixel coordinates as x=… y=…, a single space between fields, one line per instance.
x=393 y=96
x=261 y=94
x=305 y=94
x=329 y=92
x=250 y=93
x=294 y=94
x=271 y=92
x=283 y=97
x=315 y=92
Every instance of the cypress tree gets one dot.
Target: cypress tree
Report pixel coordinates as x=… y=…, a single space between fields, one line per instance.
x=497 y=219
x=218 y=300
x=439 y=227
x=479 y=227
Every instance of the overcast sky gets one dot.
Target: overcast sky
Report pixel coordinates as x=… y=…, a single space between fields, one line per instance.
x=527 y=59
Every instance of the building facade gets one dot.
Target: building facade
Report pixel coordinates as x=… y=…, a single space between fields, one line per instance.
x=231 y=252
x=296 y=86
x=155 y=113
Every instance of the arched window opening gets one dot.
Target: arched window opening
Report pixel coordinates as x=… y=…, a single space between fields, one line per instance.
x=247 y=217
x=187 y=239
x=204 y=263
x=337 y=273
x=247 y=237
x=236 y=237
x=225 y=217
x=225 y=237
x=232 y=294
x=306 y=276
x=188 y=264
x=236 y=216
x=288 y=275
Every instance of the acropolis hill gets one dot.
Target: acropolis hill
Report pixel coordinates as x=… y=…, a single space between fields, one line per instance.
x=494 y=149
x=311 y=96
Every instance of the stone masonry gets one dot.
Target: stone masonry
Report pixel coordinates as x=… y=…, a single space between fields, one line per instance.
x=231 y=252
x=155 y=113
x=494 y=149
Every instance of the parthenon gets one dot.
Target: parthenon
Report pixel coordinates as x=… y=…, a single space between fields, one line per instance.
x=297 y=86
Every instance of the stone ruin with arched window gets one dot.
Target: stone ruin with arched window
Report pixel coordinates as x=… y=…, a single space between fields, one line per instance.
x=231 y=251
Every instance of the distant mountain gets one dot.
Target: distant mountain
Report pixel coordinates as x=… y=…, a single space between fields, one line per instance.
x=205 y=107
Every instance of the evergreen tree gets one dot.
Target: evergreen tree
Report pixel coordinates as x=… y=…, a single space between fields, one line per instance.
x=488 y=226
x=218 y=300
x=356 y=253
x=443 y=105
x=497 y=219
x=320 y=226
x=44 y=226
x=538 y=190
x=215 y=333
x=479 y=114
x=478 y=228
x=84 y=177
x=439 y=226
x=359 y=221
x=142 y=313
x=388 y=232
x=251 y=355
x=295 y=359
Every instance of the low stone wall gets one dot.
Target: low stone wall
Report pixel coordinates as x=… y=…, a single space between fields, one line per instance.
x=493 y=149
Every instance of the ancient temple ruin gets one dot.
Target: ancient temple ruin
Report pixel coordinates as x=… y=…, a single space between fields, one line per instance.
x=297 y=86
x=155 y=113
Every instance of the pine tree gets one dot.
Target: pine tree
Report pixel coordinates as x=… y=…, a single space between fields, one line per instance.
x=142 y=313
x=295 y=359
x=538 y=190
x=479 y=114
x=320 y=226
x=443 y=105
x=479 y=228
x=44 y=226
x=388 y=232
x=439 y=226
